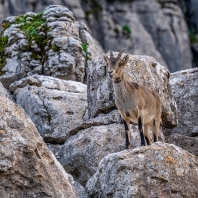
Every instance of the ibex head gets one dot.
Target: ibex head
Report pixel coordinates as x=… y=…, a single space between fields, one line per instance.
x=115 y=64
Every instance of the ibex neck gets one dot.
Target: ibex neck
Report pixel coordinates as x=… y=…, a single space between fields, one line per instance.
x=119 y=79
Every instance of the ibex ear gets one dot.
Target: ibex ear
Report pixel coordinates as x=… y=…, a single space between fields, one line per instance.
x=105 y=58
x=125 y=59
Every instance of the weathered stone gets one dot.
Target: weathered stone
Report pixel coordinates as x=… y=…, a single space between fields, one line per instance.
x=54 y=105
x=159 y=170
x=79 y=188
x=141 y=69
x=187 y=143
x=27 y=167
x=184 y=85
x=82 y=152
x=55 y=149
x=4 y=92
x=60 y=47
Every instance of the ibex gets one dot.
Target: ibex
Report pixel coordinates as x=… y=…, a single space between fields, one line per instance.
x=135 y=102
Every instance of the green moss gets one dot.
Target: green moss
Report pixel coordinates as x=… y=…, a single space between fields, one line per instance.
x=3 y=45
x=126 y=30
x=35 y=30
x=55 y=48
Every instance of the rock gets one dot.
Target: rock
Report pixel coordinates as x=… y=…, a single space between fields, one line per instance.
x=55 y=149
x=184 y=85
x=79 y=188
x=141 y=69
x=159 y=170
x=50 y=43
x=54 y=105
x=4 y=92
x=27 y=167
x=81 y=153
x=187 y=143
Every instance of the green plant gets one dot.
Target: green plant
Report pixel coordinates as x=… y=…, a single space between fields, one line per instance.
x=126 y=30
x=192 y=37
x=49 y=117
x=5 y=25
x=84 y=47
x=3 y=45
x=55 y=48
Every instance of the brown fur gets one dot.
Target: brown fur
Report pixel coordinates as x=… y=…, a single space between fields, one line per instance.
x=133 y=100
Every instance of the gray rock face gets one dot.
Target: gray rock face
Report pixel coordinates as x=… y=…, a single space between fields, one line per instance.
x=184 y=85
x=187 y=143
x=27 y=167
x=54 y=105
x=149 y=27
x=159 y=170
x=49 y=43
x=141 y=69
x=82 y=152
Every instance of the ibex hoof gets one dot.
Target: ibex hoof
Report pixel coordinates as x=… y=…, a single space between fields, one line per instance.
x=128 y=147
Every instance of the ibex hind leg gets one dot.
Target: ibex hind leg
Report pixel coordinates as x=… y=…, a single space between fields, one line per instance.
x=141 y=131
x=127 y=132
x=146 y=134
x=155 y=129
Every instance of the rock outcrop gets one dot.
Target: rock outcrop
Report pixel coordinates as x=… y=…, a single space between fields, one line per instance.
x=184 y=85
x=159 y=170
x=152 y=27
x=141 y=69
x=55 y=106
x=50 y=43
x=27 y=167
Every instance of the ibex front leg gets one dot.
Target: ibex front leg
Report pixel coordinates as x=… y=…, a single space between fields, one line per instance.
x=127 y=132
x=141 y=131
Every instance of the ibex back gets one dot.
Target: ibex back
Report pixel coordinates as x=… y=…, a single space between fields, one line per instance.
x=135 y=102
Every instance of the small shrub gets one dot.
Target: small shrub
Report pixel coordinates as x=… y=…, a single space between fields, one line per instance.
x=126 y=30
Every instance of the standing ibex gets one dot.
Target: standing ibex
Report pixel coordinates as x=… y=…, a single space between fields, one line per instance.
x=135 y=102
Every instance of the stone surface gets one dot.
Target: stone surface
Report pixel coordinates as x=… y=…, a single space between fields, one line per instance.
x=27 y=167
x=184 y=85
x=60 y=46
x=82 y=152
x=79 y=188
x=160 y=170
x=141 y=69
x=4 y=92
x=54 y=105
x=187 y=143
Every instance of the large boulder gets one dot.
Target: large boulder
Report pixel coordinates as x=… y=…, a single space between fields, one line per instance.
x=184 y=85
x=159 y=170
x=27 y=167
x=82 y=152
x=187 y=143
x=141 y=69
x=54 y=105
x=51 y=43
